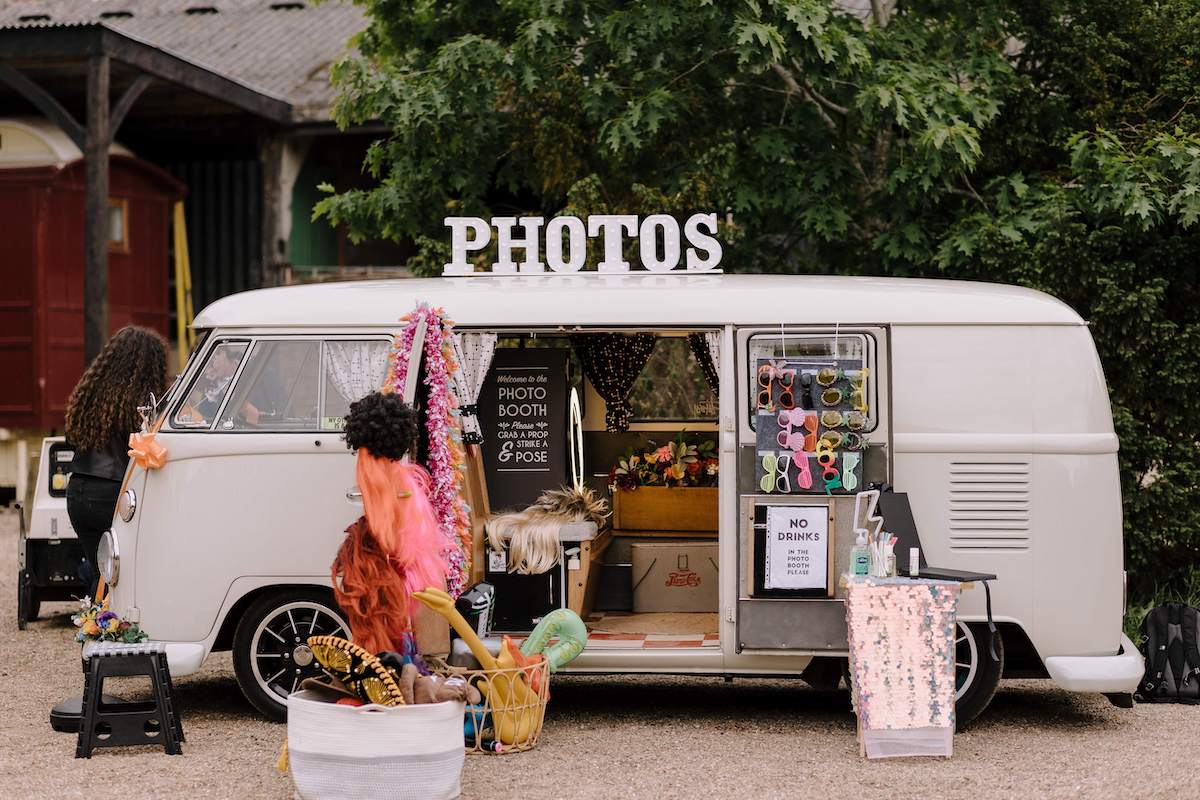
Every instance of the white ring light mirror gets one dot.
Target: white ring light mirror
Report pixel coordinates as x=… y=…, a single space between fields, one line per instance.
x=575 y=440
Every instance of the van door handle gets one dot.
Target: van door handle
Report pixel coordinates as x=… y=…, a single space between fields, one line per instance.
x=354 y=495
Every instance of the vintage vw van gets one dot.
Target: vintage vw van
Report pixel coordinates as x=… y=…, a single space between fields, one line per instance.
x=985 y=404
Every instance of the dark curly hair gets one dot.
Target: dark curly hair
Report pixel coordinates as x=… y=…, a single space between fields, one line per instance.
x=382 y=424
x=103 y=405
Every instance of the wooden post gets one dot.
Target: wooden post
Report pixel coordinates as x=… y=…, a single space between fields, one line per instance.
x=271 y=155
x=95 y=237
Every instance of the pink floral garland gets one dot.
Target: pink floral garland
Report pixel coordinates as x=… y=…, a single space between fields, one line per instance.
x=446 y=456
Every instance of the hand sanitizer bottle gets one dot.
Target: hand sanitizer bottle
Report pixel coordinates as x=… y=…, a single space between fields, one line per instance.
x=860 y=555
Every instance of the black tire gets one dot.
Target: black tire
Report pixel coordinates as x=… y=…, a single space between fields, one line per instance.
x=28 y=604
x=976 y=674
x=273 y=631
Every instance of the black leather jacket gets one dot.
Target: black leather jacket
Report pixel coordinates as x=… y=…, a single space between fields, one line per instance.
x=108 y=462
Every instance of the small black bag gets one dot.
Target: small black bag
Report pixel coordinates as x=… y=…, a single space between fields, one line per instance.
x=1169 y=639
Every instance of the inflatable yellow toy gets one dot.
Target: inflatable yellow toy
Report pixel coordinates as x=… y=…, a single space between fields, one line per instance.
x=515 y=706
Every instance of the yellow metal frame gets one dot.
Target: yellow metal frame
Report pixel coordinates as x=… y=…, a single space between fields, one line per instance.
x=185 y=335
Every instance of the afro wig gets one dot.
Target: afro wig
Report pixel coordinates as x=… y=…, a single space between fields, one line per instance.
x=382 y=424
x=399 y=550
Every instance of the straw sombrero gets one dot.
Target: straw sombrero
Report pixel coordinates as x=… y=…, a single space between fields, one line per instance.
x=360 y=671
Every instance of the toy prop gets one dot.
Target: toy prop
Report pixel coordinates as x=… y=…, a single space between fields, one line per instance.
x=357 y=670
x=515 y=706
x=564 y=625
x=427 y=338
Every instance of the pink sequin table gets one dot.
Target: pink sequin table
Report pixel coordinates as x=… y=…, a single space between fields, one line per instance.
x=901 y=634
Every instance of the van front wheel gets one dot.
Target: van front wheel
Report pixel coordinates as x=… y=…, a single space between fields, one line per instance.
x=976 y=673
x=270 y=650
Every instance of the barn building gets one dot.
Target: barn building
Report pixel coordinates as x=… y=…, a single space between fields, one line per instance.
x=224 y=104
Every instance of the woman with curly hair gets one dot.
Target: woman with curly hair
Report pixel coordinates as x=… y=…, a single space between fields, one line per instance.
x=101 y=414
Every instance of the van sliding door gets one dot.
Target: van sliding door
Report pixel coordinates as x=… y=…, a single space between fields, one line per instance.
x=796 y=386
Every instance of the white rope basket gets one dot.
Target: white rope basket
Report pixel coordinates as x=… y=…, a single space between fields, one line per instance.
x=373 y=752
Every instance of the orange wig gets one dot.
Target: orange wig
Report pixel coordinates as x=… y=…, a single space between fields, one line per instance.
x=396 y=549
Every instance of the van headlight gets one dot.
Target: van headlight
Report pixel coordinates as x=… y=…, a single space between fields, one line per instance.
x=108 y=556
x=127 y=505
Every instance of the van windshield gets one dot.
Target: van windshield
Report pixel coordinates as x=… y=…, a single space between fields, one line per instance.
x=209 y=390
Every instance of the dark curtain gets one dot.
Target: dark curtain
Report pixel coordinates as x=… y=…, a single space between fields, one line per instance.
x=699 y=346
x=612 y=362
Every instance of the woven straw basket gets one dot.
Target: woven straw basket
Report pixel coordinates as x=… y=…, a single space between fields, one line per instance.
x=513 y=723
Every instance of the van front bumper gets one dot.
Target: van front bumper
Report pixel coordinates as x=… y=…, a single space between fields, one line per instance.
x=1108 y=674
x=184 y=658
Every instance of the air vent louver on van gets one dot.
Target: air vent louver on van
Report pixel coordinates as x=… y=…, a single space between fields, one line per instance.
x=990 y=504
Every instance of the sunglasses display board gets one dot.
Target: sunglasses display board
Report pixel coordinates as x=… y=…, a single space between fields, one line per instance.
x=809 y=423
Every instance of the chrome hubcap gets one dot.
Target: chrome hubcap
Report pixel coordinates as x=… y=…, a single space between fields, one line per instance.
x=302 y=656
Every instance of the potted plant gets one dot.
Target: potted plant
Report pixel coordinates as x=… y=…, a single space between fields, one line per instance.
x=669 y=487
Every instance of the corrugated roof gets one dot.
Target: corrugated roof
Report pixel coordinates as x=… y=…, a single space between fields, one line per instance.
x=283 y=48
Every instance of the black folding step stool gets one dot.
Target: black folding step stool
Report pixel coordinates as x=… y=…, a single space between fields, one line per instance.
x=127 y=722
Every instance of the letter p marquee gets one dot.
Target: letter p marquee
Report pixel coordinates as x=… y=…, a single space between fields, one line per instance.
x=460 y=244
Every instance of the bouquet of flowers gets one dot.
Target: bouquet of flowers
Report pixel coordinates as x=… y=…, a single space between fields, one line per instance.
x=680 y=462
x=97 y=624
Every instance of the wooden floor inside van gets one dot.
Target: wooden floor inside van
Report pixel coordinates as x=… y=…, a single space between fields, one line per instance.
x=622 y=631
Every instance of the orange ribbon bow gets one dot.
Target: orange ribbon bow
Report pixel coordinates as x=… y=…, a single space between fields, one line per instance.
x=145 y=452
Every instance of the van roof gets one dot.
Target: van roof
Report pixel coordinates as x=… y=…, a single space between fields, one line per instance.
x=643 y=299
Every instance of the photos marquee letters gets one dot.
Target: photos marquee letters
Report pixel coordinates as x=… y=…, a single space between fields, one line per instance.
x=657 y=233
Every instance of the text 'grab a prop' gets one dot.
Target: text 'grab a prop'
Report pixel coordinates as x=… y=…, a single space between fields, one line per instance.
x=659 y=243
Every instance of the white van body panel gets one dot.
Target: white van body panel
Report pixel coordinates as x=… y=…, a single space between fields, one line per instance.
x=267 y=522
x=1005 y=442
x=995 y=390
x=641 y=301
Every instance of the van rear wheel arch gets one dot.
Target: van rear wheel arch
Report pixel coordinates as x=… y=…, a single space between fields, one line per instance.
x=224 y=641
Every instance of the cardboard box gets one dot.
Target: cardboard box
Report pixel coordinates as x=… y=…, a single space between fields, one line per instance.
x=675 y=576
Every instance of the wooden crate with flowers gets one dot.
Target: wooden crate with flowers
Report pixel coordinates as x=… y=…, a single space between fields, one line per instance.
x=670 y=487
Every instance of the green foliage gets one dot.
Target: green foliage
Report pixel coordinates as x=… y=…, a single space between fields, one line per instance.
x=1048 y=143
x=804 y=123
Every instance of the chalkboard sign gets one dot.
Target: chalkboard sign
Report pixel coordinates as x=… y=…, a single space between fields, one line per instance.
x=523 y=417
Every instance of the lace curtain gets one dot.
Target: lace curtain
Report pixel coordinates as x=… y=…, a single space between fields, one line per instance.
x=473 y=352
x=713 y=340
x=356 y=368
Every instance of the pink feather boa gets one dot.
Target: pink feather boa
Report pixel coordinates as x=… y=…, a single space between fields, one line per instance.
x=446 y=456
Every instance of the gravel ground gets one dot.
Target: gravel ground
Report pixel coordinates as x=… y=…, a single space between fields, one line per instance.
x=607 y=738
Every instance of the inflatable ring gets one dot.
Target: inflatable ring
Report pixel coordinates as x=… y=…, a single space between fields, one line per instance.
x=564 y=625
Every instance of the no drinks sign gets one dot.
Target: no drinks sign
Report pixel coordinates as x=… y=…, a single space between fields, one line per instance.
x=797 y=552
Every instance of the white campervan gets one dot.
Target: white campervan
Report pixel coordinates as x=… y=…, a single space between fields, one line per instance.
x=985 y=404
